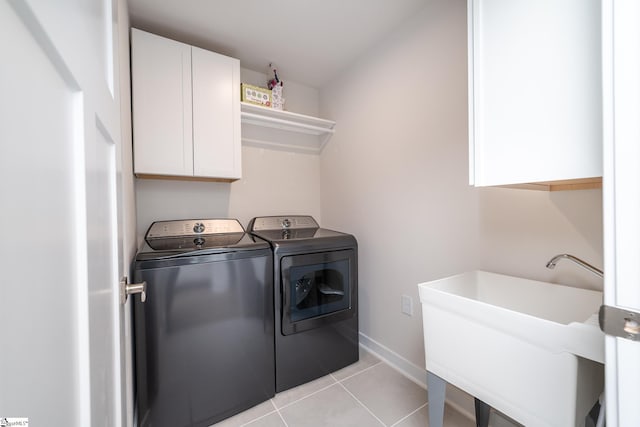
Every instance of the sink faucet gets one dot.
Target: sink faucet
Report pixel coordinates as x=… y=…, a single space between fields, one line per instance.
x=553 y=261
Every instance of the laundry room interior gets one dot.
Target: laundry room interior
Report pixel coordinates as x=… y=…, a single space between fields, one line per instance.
x=405 y=166
x=395 y=175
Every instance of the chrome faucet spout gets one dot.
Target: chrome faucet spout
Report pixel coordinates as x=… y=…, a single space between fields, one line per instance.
x=553 y=261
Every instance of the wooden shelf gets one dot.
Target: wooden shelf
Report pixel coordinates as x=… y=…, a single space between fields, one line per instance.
x=571 y=184
x=284 y=130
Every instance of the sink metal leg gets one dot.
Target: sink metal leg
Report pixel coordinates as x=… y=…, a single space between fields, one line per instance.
x=482 y=413
x=436 y=389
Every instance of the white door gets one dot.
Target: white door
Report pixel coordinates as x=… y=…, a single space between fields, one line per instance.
x=621 y=77
x=60 y=317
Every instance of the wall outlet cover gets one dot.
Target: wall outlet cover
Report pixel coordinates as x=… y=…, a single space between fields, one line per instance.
x=407 y=305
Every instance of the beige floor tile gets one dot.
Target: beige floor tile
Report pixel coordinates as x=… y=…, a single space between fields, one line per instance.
x=271 y=420
x=395 y=400
x=248 y=415
x=331 y=407
x=420 y=418
x=386 y=392
x=286 y=397
x=367 y=360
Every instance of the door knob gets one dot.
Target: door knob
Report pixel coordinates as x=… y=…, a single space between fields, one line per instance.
x=127 y=289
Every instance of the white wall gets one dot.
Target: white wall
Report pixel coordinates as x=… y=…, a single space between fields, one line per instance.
x=273 y=182
x=395 y=174
x=520 y=230
x=276 y=183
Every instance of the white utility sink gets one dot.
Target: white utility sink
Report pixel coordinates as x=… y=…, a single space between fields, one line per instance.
x=532 y=350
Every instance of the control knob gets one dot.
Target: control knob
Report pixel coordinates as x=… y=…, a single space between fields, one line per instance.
x=198 y=227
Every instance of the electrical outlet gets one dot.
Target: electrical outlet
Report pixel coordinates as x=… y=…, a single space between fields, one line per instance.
x=407 y=305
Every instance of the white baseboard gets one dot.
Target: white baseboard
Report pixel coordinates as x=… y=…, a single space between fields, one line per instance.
x=415 y=373
x=456 y=398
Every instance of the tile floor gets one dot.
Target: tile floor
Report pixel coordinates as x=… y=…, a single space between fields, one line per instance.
x=368 y=393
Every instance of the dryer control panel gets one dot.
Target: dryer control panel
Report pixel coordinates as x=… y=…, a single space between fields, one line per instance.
x=283 y=223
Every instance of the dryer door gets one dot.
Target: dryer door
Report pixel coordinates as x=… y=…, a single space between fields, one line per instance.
x=318 y=289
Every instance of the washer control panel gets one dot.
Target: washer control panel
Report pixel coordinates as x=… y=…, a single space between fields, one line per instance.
x=283 y=223
x=193 y=227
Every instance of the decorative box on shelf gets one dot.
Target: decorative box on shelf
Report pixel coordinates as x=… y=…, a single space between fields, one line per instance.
x=255 y=95
x=276 y=97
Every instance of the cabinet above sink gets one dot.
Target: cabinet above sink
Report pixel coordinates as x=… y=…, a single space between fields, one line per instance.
x=535 y=103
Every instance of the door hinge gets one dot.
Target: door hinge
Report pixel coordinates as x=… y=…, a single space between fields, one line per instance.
x=127 y=289
x=619 y=322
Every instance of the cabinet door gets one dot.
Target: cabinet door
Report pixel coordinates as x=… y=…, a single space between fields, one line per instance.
x=216 y=115
x=534 y=91
x=161 y=81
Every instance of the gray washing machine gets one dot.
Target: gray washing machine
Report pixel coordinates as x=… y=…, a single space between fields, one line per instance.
x=204 y=338
x=315 y=297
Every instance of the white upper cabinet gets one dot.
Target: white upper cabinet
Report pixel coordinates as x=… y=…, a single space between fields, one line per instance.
x=186 y=110
x=535 y=104
x=216 y=115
